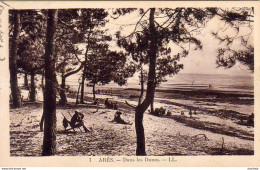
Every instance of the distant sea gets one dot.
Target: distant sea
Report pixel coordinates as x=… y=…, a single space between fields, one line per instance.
x=184 y=80
x=211 y=81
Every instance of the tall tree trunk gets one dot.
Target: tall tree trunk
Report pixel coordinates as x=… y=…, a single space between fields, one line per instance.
x=41 y=123
x=63 y=97
x=152 y=103
x=43 y=85
x=42 y=118
x=13 y=61
x=42 y=81
x=152 y=108
x=77 y=99
x=94 y=92
x=26 y=84
x=32 y=88
x=49 y=109
x=82 y=86
x=84 y=69
x=140 y=109
x=142 y=86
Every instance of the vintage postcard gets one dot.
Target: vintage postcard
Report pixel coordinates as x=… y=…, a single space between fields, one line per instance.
x=131 y=83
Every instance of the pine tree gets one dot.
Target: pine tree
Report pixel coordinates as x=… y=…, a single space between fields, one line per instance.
x=49 y=109
x=16 y=95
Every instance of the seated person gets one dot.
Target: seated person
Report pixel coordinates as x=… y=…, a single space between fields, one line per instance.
x=107 y=102
x=96 y=102
x=118 y=118
x=77 y=121
x=250 y=120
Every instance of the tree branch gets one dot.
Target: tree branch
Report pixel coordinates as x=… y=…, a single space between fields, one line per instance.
x=130 y=104
x=136 y=25
x=75 y=71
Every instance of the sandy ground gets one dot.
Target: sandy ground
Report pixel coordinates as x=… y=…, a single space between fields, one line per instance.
x=164 y=135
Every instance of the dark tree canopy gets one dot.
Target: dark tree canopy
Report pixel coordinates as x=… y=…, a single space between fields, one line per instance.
x=237 y=19
x=103 y=68
x=173 y=26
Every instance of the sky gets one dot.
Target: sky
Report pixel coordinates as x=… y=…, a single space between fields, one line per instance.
x=204 y=61
x=198 y=61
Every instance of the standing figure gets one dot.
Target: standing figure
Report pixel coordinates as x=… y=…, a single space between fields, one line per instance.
x=107 y=103
x=115 y=106
x=190 y=113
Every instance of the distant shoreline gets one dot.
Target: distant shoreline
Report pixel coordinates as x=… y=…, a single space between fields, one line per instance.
x=201 y=91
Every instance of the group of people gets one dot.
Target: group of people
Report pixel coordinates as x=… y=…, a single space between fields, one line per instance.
x=111 y=105
x=160 y=112
x=249 y=121
x=190 y=113
x=77 y=119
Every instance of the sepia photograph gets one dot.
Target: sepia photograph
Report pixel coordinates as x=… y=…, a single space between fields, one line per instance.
x=129 y=81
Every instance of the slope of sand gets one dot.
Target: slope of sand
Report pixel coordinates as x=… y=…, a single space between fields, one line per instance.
x=164 y=135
